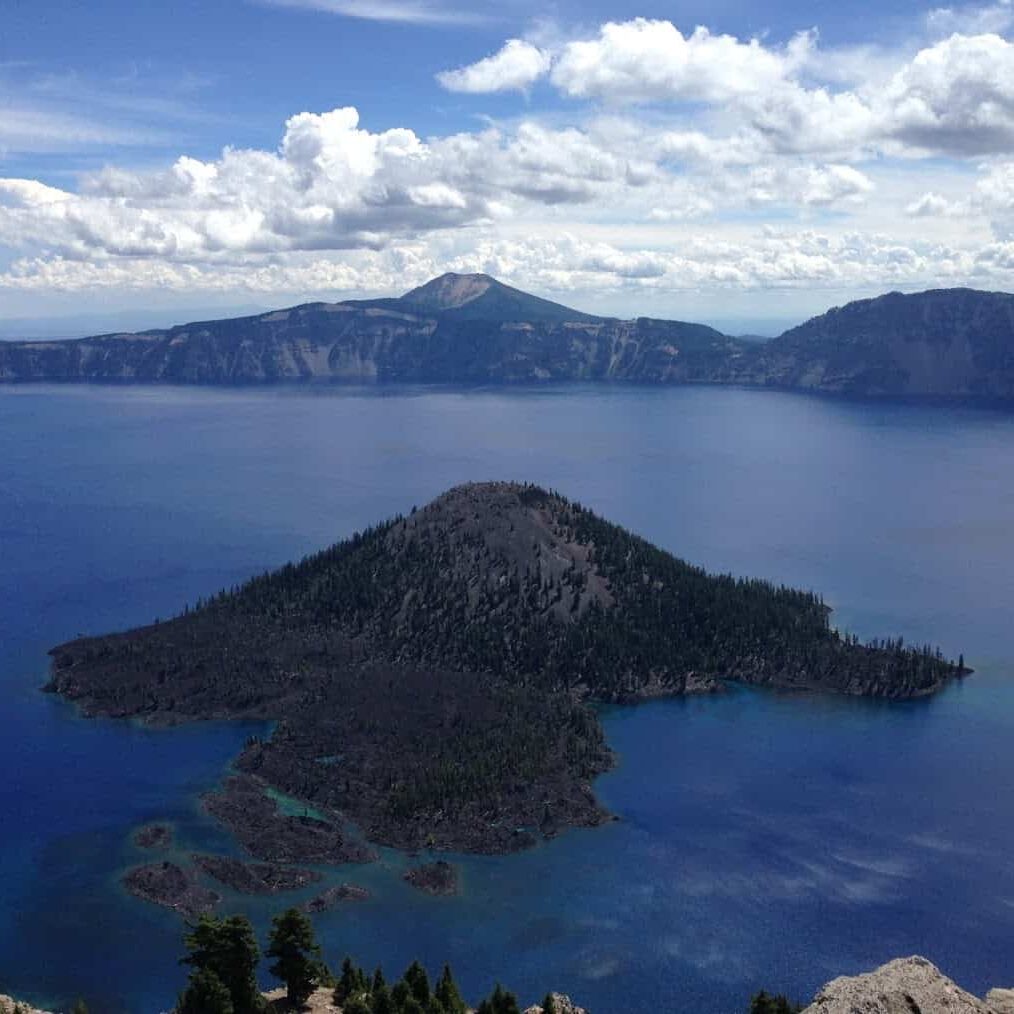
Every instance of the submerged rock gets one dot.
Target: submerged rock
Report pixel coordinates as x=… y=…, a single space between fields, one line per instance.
x=153 y=836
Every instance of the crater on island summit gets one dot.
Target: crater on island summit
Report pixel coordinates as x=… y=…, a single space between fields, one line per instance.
x=431 y=677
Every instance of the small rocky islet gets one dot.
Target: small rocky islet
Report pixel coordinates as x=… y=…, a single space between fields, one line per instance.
x=335 y=896
x=173 y=887
x=432 y=678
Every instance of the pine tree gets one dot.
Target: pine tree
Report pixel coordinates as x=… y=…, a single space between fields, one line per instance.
x=228 y=948
x=205 y=994
x=382 y=1001
x=297 y=955
x=418 y=982
x=350 y=982
x=767 y=1003
x=503 y=1002
x=447 y=993
x=549 y=1004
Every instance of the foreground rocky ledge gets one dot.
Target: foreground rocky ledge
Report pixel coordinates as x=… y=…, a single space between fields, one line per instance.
x=906 y=986
x=322 y=1002
x=8 y=1005
x=903 y=986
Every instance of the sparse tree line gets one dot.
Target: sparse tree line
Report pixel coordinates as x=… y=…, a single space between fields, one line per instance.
x=224 y=956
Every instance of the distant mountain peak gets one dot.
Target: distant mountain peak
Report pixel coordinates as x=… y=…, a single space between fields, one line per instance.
x=450 y=290
x=482 y=297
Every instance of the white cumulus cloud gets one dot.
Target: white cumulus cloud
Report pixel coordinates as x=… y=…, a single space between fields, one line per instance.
x=515 y=67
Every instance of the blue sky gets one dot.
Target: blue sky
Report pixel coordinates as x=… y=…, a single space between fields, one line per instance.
x=711 y=160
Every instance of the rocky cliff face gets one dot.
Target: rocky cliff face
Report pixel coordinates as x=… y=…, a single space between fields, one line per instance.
x=945 y=343
x=905 y=986
x=457 y=329
x=472 y=329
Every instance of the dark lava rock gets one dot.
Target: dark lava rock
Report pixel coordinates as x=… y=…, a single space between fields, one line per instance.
x=153 y=836
x=254 y=818
x=334 y=896
x=172 y=887
x=255 y=878
x=434 y=878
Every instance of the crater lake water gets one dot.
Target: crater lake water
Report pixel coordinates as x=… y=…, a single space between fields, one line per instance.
x=765 y=840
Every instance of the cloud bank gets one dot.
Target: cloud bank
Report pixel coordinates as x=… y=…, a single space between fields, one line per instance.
x=645 y=158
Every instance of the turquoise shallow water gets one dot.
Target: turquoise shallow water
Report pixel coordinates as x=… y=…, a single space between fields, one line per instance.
x=764 y=839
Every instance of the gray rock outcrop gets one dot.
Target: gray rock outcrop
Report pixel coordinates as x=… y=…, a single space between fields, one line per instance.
x=564 y=1005
x=903 y=986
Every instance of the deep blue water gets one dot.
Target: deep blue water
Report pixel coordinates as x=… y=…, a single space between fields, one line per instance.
x=765 y=840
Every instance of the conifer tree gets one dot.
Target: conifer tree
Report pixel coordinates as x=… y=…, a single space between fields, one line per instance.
x=418 y=982
x=382 y=1001
x=400 y=994
x=205 y=994
x=447 y=993
x=228 y=948
x=351 y=982
x=294 y=947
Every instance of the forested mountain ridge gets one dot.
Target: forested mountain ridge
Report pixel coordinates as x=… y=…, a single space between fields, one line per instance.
x=429 y=675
